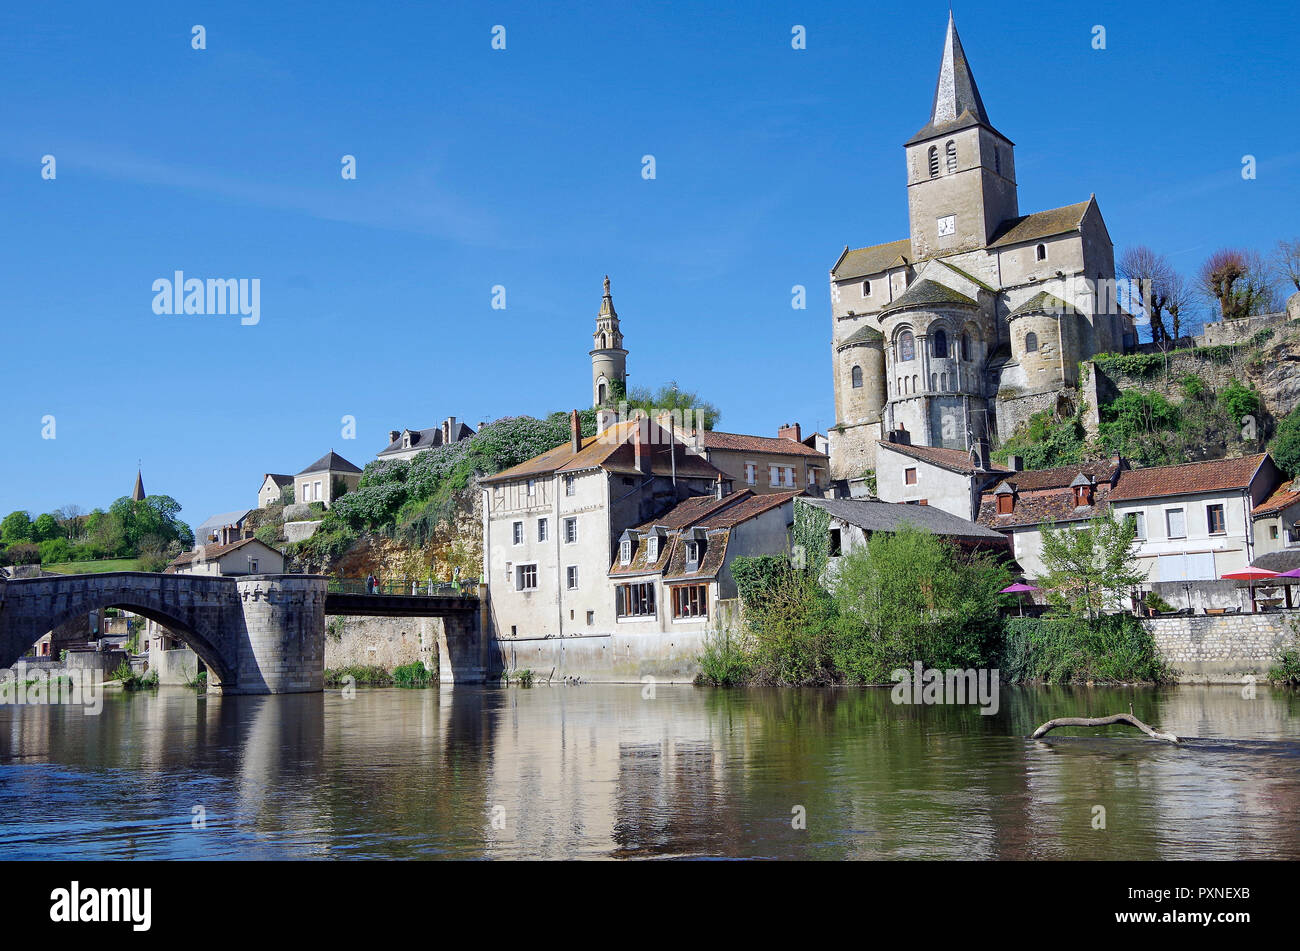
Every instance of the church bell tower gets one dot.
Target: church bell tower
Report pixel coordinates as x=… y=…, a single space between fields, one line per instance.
x=961 y=177
x=608 y=358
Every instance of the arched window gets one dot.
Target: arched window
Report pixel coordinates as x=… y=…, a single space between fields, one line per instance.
x=866 y=288
x=1031 y=342
x=857 y=378
x=906 y=346
x=965 y=346
x=600 y=392
x=934 y=161
x=603 y=343
x=940 y=344
x=952 y=156
x=1040 y=253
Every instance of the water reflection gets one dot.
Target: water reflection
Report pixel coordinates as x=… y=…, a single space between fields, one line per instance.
x=598 y=771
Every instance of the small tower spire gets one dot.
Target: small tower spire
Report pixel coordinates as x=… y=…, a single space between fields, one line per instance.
x=608 y=358
x=955 y=92
x=137 y=493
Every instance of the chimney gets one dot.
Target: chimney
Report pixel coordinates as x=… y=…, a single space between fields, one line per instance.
x=393 y=434
x=719 y=490
x=982 y=454
x=575 y=431
x=1017 y=463
x=449 y=430
x=790 y=431
x=641 y=445
x=605 y=418
x=227 y=534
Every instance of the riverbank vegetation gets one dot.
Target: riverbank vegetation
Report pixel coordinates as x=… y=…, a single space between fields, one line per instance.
x=145 y=533
x=912 y=596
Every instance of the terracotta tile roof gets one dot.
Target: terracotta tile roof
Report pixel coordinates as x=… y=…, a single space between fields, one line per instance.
x=713 y=439
x=1032 y=480
x=211 y=552
x=746 y=509
x=688 y=512
x=954 y=460
x=1287 y=495
x=640 y=565
x=863 y=262
x=1041 y=224
x=1042 y=505
x=715 y=554
x=613 y=450
x=1212 y=475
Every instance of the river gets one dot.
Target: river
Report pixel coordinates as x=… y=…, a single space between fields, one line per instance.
x=607 y=772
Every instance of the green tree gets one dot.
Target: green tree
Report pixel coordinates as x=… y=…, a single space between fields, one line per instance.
x=46 y=528
x=669 y=399
x=1286 y=444
x=1091 y=567
x=16 y=527
x=912 y=596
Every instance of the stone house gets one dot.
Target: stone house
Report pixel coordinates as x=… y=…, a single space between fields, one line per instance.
x=980 y=316
x=209 y=530
x=1021 y=504
x=763 y=464
x=273 y=484
x=551 y=524
x=672 y=573
x=326 y=479
x=1277 y=519
x=1195 y=521
x=408 y=443
x=947 y=479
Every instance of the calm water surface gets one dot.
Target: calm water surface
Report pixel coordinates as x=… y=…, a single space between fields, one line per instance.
x=600 y=772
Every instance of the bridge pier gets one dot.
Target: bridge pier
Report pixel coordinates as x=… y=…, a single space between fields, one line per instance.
x=281 y=642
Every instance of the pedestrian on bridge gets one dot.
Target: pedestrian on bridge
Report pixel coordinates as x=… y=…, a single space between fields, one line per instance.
x=371 y=583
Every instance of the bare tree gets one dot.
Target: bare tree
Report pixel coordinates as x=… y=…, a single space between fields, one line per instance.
x=1219 y=277
x=1286 y=262
x=1164 y=292
x=1180 y=304
x=1258 y=290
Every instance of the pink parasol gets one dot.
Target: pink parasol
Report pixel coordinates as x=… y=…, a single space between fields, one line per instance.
x=1251 y=574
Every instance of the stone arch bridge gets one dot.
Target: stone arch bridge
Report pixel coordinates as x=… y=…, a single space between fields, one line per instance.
x=256 y=633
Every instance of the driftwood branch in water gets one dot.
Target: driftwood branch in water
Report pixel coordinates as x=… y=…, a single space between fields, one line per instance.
x=1103 y=721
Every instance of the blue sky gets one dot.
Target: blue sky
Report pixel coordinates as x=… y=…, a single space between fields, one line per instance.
x=522 y=168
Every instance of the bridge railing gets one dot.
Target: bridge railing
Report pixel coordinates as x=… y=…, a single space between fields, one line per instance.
x=407 y=587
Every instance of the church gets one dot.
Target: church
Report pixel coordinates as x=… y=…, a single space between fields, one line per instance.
x=954 y=335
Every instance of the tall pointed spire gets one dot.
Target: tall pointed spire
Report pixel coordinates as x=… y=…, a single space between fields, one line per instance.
x=138 y=492
x=607 y=302
x=955 y=94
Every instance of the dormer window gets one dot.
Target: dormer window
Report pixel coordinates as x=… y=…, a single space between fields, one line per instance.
x=625 y=552
x=692 y=555
x=652 y=548
x=1006 y=499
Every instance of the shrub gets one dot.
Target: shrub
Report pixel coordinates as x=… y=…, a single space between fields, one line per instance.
x=1239 y=401
x=361 y=675
x=725 y=662
x=1286 y=444
x=1114 y=648
x=414 y=674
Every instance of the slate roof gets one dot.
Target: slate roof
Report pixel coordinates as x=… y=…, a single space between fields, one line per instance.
x=1043 y=303
x=957 y=102
x=876 y=259
x=926 y=293
x=330 y=462
x=1287 y=495
x=713 y=439
x=1039 y=225
x=954 y=460
x=1039 y=506
x=613 y=451
x=214 y=522
x=425 y=439
x=278 y=478
x=1033 y=480
x=715 y=555
x=1212 y=475
x=873 y=516
x=866 y=335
